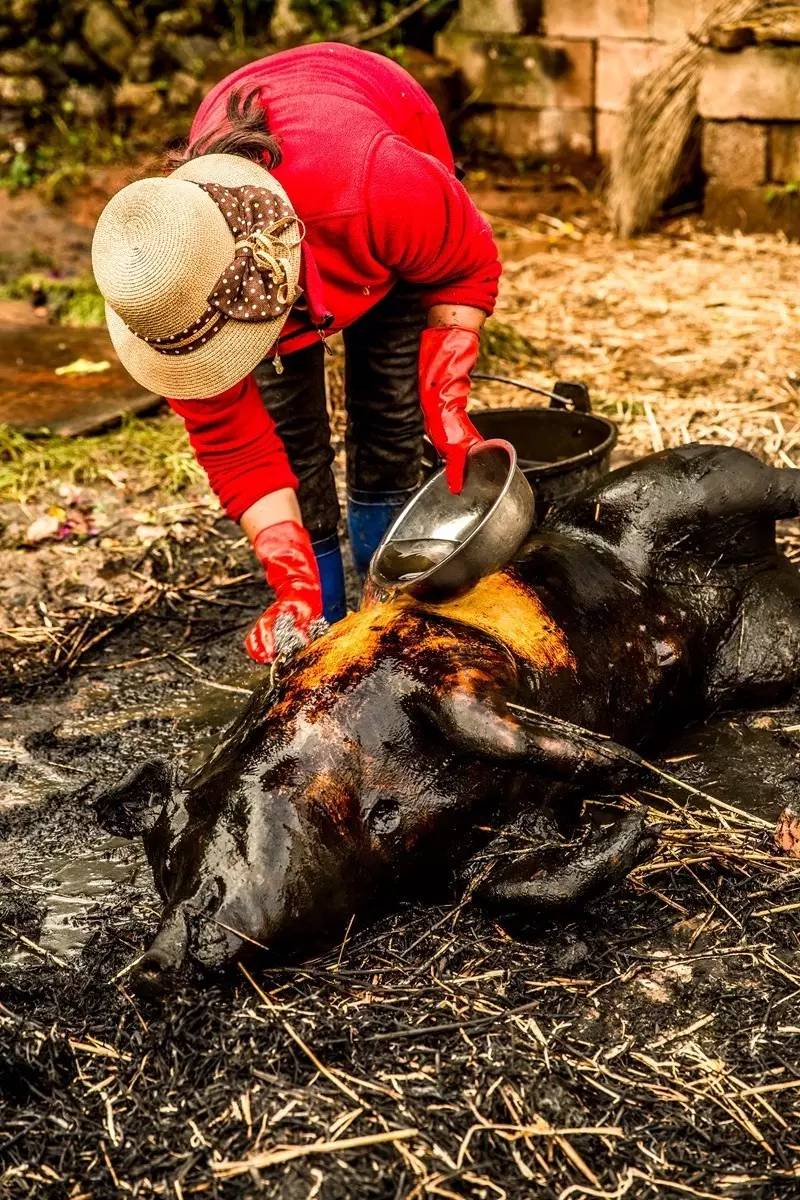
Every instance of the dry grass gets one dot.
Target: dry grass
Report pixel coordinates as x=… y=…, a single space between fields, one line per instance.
x=685 y=337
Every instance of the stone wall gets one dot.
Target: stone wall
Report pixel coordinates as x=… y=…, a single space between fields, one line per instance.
x=101 y=61
x=552 y=76
x=750 y=105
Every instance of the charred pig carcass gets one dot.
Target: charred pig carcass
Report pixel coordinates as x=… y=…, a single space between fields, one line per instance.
x=397 y=747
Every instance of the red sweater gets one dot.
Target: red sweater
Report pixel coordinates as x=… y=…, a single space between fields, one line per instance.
x=368 y=168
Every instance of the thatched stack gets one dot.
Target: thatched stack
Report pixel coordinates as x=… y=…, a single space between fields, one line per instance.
x=661 y=118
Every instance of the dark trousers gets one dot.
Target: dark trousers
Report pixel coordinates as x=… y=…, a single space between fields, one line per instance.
x=383 y=441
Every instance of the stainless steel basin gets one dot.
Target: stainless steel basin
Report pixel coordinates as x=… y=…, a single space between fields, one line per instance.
x=441 y=544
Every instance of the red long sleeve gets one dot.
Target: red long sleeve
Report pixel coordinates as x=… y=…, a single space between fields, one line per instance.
x=424 y=226
x=236 y=442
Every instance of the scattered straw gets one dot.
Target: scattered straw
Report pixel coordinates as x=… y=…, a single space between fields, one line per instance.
x=282 y=1154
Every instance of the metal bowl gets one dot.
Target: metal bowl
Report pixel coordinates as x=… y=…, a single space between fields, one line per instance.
x=441 y=543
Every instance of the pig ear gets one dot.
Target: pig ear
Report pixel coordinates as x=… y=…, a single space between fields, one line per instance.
x=132 y=806
x=483 y=726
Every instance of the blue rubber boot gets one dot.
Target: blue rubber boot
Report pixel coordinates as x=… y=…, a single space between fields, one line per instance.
x=369 y=515
x=331 y=573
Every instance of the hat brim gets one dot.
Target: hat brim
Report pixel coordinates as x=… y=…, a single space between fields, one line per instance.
x=230 y=355
x=240 y=345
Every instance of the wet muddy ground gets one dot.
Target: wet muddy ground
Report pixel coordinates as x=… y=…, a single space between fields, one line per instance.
x=646 y=1047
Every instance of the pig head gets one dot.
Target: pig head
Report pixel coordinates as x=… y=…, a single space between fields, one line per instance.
x=303 y=814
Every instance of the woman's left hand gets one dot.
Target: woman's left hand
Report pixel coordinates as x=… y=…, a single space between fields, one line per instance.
x=291 y=569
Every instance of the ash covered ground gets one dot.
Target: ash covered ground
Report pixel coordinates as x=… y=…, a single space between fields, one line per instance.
x=645 y=1047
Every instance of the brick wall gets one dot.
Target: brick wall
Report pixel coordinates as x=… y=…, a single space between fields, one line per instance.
x=750 y=106
x=549 y=76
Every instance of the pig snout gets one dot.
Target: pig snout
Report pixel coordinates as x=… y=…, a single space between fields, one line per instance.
x=158 y=968
x=207 y=934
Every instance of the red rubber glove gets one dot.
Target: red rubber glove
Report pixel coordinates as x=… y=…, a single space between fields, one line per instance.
x=447 y=354
x=284 y=550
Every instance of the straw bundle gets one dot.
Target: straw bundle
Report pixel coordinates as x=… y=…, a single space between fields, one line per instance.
x=662 y=112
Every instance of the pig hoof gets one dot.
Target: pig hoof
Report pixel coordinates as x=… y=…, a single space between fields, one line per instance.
x=627 y=843
x=560 y=875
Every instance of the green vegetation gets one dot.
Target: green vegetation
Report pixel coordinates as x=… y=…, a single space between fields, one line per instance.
x=60 y=160
x=502 y=345
x=782 y=191
x=11 y=265
x=71 y=301
x=43 y=165
x=152 y=454
x=62 y=145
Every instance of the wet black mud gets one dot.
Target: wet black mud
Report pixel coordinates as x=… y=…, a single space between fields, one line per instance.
x=650 y=1018
x=58 y=749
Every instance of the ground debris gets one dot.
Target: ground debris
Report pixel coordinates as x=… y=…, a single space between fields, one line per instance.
x=160 y=569
x=439 y=1052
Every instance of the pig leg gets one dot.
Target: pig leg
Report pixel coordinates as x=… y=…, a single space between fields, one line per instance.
x=492 y=727
x=758 y=660
x=531 y=864
x=531 y=867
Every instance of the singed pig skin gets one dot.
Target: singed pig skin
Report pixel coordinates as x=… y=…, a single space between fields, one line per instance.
x=394 y=750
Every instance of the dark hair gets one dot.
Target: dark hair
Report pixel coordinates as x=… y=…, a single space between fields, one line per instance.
x=245 y=131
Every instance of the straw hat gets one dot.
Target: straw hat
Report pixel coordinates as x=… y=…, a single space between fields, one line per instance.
x=199 y=270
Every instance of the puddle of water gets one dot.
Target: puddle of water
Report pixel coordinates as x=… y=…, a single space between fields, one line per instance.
x=32 y=395
x=89 y=865
x=24 y=779
x=68 y=886
x=196 y=710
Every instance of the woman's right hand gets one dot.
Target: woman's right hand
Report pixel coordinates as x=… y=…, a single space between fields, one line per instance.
x=284 y=549
x=447 y=355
